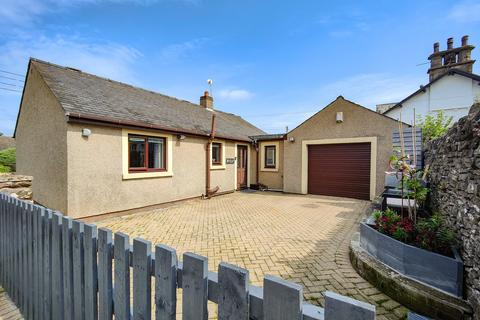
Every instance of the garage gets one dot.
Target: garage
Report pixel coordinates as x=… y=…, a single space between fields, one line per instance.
x=341 y=170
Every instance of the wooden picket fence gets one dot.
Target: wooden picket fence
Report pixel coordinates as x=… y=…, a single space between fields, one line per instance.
x=54 y=267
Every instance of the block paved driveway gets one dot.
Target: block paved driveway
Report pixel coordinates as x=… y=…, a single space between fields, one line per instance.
x=300 y=238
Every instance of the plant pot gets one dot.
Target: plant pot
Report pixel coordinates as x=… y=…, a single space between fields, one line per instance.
x=436 y=270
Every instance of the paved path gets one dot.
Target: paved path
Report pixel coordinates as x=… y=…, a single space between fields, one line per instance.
x=8 y=311
x=304 y=239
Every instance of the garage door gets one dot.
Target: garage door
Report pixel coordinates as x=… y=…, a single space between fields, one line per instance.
x=341 y=170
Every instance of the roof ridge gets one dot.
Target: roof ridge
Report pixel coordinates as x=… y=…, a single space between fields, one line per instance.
x=72 y=69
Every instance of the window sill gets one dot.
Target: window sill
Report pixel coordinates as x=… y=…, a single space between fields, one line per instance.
x=217 y=167
x=269 y=169
x=143 y=175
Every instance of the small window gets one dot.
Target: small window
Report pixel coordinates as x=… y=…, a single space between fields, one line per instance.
x=146 y=153
x=270 y=157
x=216 y=153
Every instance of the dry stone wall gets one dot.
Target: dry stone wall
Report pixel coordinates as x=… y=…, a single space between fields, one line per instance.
x=16 y=185
x=454 y=176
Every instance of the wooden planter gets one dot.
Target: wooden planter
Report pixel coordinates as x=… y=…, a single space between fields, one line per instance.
x=436 y=270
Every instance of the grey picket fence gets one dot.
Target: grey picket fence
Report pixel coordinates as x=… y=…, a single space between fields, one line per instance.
x=54 y=267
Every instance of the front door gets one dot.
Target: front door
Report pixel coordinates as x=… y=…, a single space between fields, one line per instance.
x=241 y=167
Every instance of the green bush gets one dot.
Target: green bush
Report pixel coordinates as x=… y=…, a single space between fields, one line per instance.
x=4 y=169
x=8 y=157
x=434 y=125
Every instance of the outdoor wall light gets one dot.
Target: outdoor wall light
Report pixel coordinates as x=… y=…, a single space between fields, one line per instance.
x=291 y=139
x=180 y=136
x=86 y=132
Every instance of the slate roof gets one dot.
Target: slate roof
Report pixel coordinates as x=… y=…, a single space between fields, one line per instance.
x=89 y=97
x=450 y=72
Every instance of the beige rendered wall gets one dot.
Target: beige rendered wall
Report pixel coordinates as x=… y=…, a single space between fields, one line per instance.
x=272 y=178
x=225 y=176
x=358 y=122
x=96 y=184
x=41 y=139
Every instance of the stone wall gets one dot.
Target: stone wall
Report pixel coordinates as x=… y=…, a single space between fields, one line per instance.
x=454 y=176
x=16 y=185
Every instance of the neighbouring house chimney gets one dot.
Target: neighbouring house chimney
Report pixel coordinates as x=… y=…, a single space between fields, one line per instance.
x=206 y=101
x=458 y=58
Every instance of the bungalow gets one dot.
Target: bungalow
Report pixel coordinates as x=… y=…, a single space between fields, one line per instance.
x=98 y=146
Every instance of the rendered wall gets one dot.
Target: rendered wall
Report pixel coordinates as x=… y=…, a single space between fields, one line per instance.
x=96 y=184
x=453 y=94
x=358 y=122
x=41 y=139
x=272 y=178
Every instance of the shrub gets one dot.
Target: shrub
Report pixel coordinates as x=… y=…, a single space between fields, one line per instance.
x=434 y=235
x=434 y=126
x=430 y=234
x=4 y=169
x=8 y=157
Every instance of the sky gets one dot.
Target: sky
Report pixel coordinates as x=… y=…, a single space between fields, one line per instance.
x=274 y=63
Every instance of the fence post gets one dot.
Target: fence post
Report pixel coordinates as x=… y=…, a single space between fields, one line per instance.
x=91 y=275
x=165 y=283
x=142 y=283
x=122 y=276
x=78 y=271
x=30 y=261
x=47 y=242
x=3 y=254
x=233 y=302
x=57 y=264
x=40 y=261
x=338 y=307
x=67 y=252
x=195 y=287
x=282 y=300
x=105 y=298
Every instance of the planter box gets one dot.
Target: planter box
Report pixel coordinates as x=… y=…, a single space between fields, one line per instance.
x=431 y=268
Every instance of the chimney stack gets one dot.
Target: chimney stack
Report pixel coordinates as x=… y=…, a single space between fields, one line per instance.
x=206 y=101
x=452 y=58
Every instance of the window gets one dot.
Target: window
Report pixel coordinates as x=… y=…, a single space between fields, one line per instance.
x=216 y=153
x=146 y=153
x=270 y=157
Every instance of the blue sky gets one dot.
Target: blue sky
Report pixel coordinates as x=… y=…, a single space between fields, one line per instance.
x=273 y=62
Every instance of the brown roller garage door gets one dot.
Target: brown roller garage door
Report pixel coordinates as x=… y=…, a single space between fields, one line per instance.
x=341 y=170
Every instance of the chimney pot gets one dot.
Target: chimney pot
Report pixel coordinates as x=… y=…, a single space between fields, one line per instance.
x=449 y=43
x=465 y=41
x=206 y=94
x=436 y=47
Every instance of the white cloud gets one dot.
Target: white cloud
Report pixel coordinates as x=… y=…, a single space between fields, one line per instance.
x=103 y=58
x=373 y=88
x=235 y=94
x=107 y=59
x=177 y=51
x=466 y=12
x=21 y=12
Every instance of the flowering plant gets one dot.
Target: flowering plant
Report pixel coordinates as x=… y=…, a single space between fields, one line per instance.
x=430 y=233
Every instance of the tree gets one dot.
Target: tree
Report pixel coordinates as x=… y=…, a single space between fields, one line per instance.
x=434 y=125
x=1 y=134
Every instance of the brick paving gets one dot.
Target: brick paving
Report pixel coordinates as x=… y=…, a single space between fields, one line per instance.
x=8 y=310
x=300 y=238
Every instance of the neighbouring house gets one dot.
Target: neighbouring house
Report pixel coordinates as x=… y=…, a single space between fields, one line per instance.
x=96 y=146
x=452 y=86
x=6 y=142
